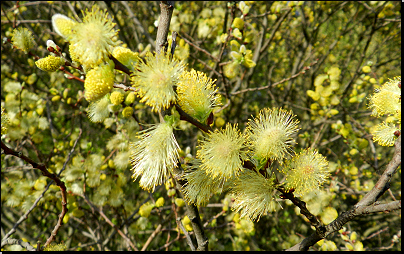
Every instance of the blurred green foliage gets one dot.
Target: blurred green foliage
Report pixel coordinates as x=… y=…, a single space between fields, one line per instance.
x=335 y=39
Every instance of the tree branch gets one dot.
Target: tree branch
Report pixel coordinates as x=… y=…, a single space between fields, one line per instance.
x=167 y=8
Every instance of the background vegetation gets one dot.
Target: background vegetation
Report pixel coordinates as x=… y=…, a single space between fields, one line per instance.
x=296 y=47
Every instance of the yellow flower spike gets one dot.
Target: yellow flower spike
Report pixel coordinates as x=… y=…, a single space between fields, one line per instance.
x=130 y=98
x=146 y=209
x=366 y=69
x=63 y=25
x=154 y=155
x=236 y=56
x=50 y=63
x=237 y=34
x=23 y=39
x=254 y=195
x=384 y=134
x=4 y=121
x=126 y=56
x=222 y=152
x=179 y=202
x=93 y=39
x=320 y=79
x=334 y=73
x=270 y=133
x=98 y=110
x=234 y=45
x=243 y=49
x=99 y=81
x=73 y=55
x=127 y=112
x=238 y=23
x=243 y=7
x=231 y=70
x=243 y=56
x=249 y=63
x=197 y=94
x=199 y=187
x=387 y=99
x=155 y=80
x=116 y=98
x=160 y=202
x=186 y=220
x=314 y=95
x=306 y=172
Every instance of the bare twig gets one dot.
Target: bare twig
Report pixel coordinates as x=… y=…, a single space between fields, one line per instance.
x=181 y=227
x=151 y=237
x=20 y=242
x=277 y=83
x=188 y=118
x=95 y=208
x=198 y=48
x=167 y=8
x=137 y=22
x=193 y=215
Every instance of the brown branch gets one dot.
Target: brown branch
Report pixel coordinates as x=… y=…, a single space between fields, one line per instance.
x=184 y=116
x=71 y=76
x=167 y=8
x=125 y=88
x=58 y=183
x=303 y=210
x=151 y=237
x=192 y=212
x=197 y=47
x=119 y=66
x=193 y=215
x=10 y=241
x=187 y=236
x=181 y=226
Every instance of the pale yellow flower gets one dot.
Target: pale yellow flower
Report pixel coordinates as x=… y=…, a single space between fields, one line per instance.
x=270 y=133
x=197 y=94
x=4 y=121
x=223 y=152
x=93 y=40
x=63 y=25
x=238 y=23
x=384 y=134
x=126 y=56
x=23 y=39
x=200 y=186
x=306 y=172
x=254 y=195
x=98 y=110
x=387 y=99
x=127 y=112
x=116 y=97
x=156 y=79
x=154 y=156
x=231 y=70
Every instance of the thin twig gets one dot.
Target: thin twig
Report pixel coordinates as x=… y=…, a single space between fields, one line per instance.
x=95 y=208
x=277 y=83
